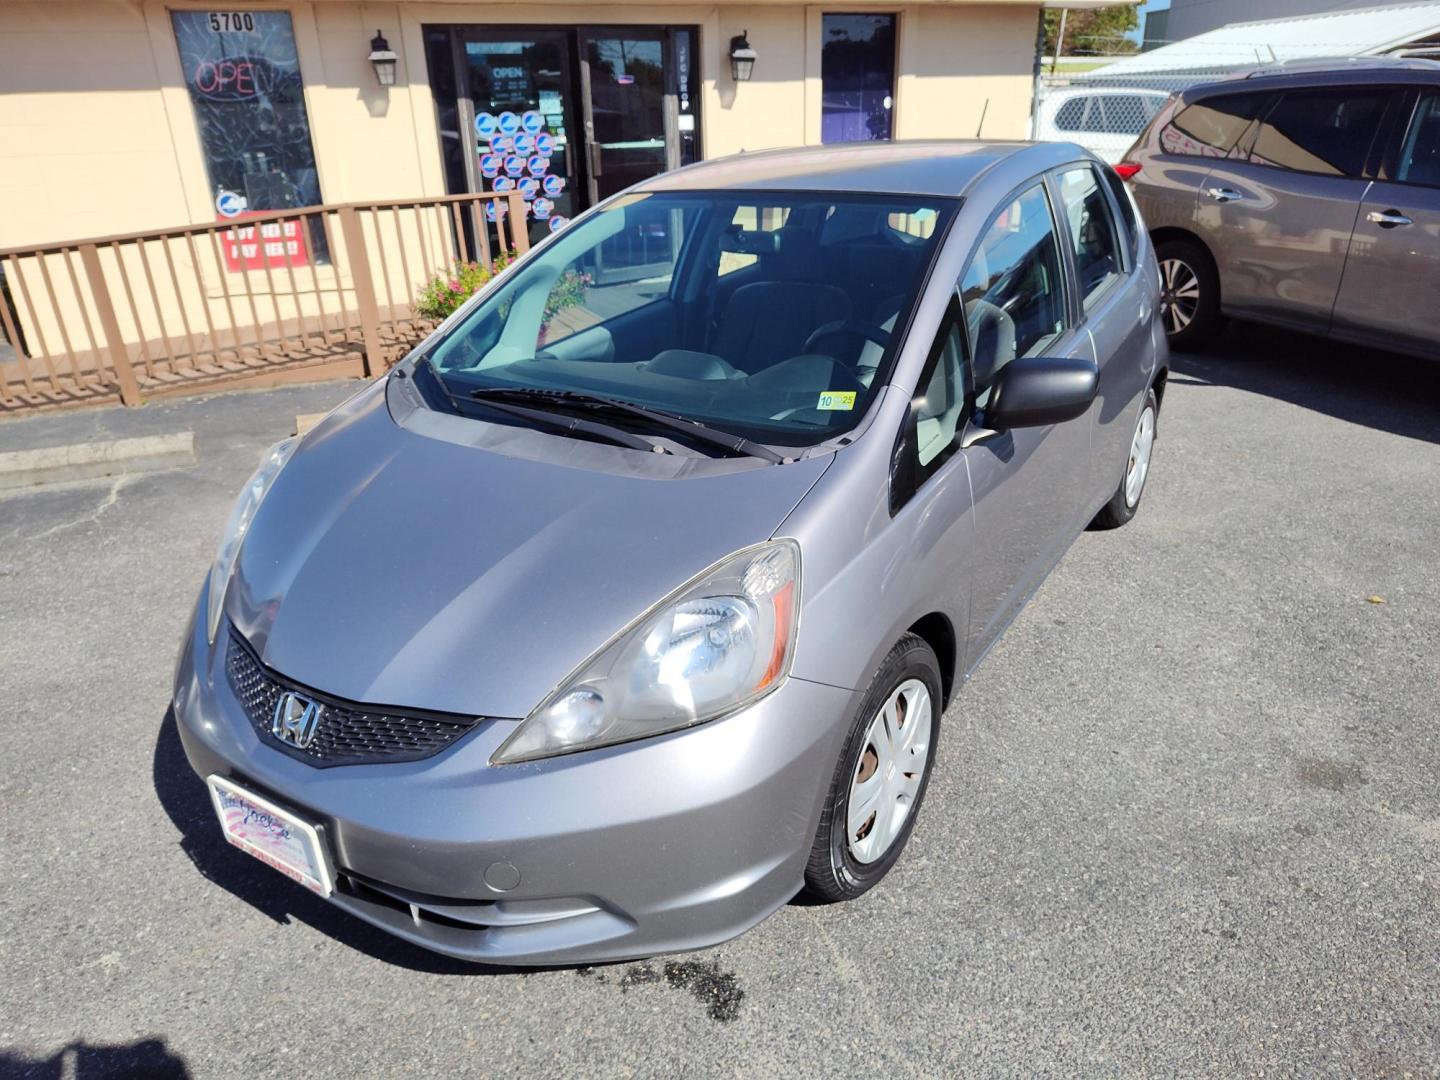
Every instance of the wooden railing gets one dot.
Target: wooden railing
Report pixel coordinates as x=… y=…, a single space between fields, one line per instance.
x=275 y=297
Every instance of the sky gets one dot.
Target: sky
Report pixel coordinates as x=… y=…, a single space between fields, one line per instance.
x=1147 y=6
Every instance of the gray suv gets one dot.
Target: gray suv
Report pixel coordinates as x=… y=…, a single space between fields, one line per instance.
x=1306 y=197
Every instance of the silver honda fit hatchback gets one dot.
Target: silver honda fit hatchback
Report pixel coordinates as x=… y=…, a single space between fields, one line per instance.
x=628 y=605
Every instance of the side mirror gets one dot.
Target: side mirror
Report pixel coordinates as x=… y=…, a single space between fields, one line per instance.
x=1036 y=391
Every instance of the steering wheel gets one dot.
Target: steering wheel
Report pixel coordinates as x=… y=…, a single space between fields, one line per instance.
x=868 y=331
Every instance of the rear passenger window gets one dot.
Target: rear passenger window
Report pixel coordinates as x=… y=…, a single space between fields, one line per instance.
x=1014 y=301
x=1129 y=221
x=1320 y=131
x=1212 y=127
x=1092 y=232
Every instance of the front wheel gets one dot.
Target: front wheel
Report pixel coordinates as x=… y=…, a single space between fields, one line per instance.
x=1126 y=500
x=880 y=781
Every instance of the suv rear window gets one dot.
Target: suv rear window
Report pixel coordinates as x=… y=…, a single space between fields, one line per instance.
x=1211 y=127
x=1321 y=131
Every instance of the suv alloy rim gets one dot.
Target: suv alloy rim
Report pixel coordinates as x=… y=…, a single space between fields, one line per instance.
x=1179 y=295
x=892 y=764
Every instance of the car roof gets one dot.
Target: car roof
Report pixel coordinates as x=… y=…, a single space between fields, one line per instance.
x=1336 y=71
x=1092 y=91
x=938 y=168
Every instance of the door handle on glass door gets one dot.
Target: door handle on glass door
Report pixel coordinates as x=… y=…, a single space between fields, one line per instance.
x=1388 y=219
x=1222 y=194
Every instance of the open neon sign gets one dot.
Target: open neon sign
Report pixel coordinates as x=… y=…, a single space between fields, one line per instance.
x=242 y=78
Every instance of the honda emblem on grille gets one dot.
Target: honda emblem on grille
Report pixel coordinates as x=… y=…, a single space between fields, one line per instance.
x=296 y=719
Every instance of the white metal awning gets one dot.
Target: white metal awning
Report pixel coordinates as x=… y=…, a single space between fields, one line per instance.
x=1356 y=32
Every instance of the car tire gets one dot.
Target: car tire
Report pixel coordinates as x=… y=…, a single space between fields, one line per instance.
x=1189 y=293
x=883 y=739
x=1126 y=500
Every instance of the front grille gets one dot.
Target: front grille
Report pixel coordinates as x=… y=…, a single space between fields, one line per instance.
x=346 y=733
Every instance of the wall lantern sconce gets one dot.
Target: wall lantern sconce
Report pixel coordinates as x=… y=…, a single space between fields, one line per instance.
x=383 y=60
x=742 y=57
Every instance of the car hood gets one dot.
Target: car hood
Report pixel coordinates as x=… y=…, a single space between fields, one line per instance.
x=394 y=567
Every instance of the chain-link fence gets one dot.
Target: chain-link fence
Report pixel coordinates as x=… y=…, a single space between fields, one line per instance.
x=1104 y=115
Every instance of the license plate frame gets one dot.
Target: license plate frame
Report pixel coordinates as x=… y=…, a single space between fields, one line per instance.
x=277 y=837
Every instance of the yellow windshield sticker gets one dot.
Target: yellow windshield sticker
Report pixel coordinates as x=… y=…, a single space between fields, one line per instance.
x=836 y=400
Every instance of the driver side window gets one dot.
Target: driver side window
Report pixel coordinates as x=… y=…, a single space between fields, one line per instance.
x=1014 y=300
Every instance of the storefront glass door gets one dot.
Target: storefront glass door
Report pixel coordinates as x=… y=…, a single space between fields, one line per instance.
x=565 y=115
x=523 y=119
x=623 y=84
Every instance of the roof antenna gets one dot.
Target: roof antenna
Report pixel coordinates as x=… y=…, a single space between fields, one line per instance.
x=983 y=110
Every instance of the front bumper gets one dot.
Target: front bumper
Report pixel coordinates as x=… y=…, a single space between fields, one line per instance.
x=668 y=844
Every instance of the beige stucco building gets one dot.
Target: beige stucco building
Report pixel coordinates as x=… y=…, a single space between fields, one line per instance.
x=126 y=115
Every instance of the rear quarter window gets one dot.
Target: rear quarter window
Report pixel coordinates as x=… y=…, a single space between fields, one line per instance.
x=1071 y=114
x=1211 y=127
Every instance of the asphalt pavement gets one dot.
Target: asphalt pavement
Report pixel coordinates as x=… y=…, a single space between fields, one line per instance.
x=1185 y=818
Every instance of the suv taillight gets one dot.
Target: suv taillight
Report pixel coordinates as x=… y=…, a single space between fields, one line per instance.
x=1127 y=170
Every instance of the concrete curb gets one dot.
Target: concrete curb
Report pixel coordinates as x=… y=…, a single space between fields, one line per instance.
x=305 y=421
x=82 y=461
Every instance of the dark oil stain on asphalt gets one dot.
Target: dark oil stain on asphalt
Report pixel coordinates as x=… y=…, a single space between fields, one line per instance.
x=638 y=976
x=1330 y=775
x=719 y=991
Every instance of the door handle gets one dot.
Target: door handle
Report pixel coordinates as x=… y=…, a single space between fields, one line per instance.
x=1222 y=194
x=1388 y=219
x=595 y=168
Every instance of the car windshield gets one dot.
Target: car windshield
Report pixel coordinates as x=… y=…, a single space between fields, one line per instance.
x=770 y=315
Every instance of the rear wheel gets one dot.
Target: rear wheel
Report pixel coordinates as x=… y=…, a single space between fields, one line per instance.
x=1189 y=293
x=1126 y=500
x=880 y=781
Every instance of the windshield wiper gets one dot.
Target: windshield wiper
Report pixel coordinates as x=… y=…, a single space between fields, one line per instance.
x=608 y=432
x=700 y=432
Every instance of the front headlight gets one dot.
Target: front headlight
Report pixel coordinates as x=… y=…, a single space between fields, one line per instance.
x=714 y=646
x=239 y=524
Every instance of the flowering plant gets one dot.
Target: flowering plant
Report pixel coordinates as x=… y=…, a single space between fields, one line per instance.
x=567 y=292
x=446 y=291
x=450 y=288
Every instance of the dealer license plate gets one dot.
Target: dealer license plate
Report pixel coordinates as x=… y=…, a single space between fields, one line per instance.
x=275 y=836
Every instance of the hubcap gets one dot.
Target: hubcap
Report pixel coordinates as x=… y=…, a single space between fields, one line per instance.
x=892 y=764
x=1179 y=295
x=1140 y=447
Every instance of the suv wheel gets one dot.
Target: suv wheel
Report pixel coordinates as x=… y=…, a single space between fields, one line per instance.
x=1189 y=293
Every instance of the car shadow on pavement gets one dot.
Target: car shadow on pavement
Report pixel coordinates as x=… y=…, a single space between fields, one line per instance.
x=1386 y=391
x=185 y=799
